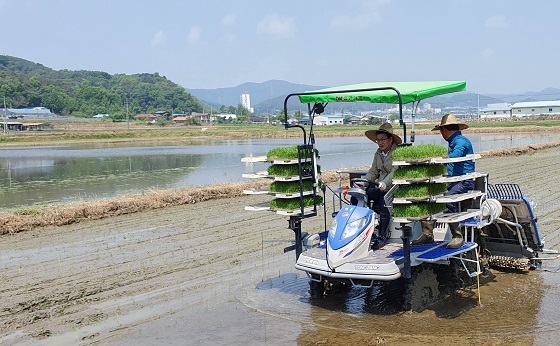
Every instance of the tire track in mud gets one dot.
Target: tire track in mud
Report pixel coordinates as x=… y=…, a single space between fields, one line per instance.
x=124 y=274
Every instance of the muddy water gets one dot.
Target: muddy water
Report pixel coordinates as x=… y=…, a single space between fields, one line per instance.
x=548 y=317
x=212 y=273
x=279 y=311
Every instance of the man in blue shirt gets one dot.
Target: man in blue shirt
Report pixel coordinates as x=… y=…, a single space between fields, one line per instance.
x=458 y=146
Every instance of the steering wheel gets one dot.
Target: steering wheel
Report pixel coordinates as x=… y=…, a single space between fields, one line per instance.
x=362 y=183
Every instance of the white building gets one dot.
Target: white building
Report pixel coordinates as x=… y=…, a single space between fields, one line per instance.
x=495 y=111
x=246 y=101
x=31 y=111
x=227 y=116
x=523 y=109
x=328 y=120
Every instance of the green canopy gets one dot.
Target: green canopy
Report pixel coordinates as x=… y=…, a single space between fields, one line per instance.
x=410 y=92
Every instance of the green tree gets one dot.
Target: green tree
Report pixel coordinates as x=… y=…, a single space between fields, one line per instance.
x=55 y=100
x=222 y=109
x=375 y=121
x=84 y=93
x=280 y=116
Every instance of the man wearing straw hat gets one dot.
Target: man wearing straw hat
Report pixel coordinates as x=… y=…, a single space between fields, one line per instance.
x=381 y=171
x=458 y=146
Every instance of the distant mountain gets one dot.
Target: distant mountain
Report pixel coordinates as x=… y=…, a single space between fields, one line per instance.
x=463 y=99
x=547 y=94
x=259 y=92
x=268 y=98
x=273 y=106
x=24 y=67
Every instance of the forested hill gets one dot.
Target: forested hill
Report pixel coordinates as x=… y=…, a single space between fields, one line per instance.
x=86 y=93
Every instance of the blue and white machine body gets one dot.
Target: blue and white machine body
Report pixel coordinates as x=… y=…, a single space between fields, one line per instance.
x=350 y=235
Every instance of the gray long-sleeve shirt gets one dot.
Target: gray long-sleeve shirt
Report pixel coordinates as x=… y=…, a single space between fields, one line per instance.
x=382 y=170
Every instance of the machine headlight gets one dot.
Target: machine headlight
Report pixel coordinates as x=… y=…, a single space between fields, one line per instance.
x=354 y=227
x=332 y=230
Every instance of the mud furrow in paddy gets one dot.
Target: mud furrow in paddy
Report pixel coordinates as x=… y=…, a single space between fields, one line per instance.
x=125 y=241
x=193 y=249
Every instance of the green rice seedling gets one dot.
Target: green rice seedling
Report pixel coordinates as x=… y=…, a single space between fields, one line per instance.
x=283 y=170
x=419 y=190
x=288 y=153
x=293 y=203
x=419 y=171
x=288 y=170
x=290 y=186
x=418 y=152
x=282 y=153
x=417 y=209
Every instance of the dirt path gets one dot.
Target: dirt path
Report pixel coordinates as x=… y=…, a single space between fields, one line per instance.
x=210 y=273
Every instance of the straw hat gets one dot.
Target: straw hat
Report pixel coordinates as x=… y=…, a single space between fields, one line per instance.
x=384 y=128
x=450 y=119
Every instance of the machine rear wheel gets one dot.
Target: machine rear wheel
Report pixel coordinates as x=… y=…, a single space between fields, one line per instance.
x=421 y=290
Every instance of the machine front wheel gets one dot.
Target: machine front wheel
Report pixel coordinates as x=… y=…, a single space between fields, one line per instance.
x=316 y=288
x=421 y=290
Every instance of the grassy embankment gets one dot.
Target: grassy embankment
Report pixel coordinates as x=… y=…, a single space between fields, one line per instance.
x=26 y=219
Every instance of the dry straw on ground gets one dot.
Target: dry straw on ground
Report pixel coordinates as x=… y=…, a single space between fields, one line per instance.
x=69 y=213
x=65 y=214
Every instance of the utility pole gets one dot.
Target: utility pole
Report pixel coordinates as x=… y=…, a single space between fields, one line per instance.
x=5 y=125
x=478 y=107
x=127 y=123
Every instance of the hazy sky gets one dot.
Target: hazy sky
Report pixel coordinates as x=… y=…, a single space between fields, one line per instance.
x=497 y=46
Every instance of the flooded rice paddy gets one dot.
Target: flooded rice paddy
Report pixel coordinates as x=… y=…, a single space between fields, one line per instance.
x=50 y=174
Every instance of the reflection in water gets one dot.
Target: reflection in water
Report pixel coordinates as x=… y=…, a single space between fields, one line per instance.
x=65 y=173
x=382 y=299
x=63 y=179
